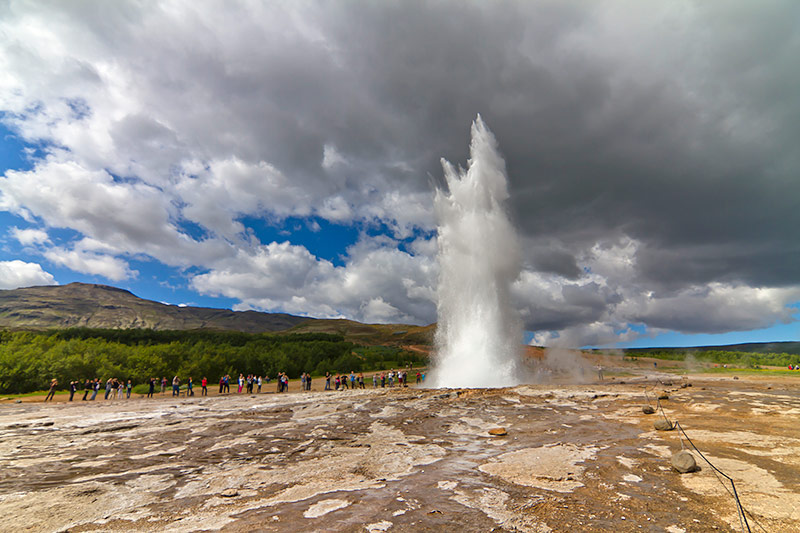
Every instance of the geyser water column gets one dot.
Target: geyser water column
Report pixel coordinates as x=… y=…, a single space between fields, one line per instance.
x=479 y=334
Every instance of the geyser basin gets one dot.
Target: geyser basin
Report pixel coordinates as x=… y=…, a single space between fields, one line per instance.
x=479 y=335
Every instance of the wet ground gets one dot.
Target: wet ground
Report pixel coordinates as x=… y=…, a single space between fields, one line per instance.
x=575 y=458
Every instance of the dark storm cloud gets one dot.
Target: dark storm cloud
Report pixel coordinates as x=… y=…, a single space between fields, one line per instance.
x=667 y=131
x=693 y=152
x=687 y=144
x=682 y=137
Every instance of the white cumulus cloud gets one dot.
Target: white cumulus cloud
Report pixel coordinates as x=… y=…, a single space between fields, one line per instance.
x=16 y=274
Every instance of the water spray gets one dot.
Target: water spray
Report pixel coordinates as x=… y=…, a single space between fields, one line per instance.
x=479 y=333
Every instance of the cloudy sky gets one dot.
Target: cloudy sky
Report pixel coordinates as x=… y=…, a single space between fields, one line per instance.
x=282 y=156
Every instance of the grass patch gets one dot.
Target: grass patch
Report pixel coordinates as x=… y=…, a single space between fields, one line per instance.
x=753 y=371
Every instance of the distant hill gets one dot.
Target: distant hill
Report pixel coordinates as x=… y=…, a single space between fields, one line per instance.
x=100 y=306
x=83 y=305
x=752 y=347
x=359 y=333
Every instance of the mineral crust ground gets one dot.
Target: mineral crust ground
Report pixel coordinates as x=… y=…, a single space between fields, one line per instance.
x=574 y=458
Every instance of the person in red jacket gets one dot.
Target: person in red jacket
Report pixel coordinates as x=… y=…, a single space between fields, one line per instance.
x=204 y=383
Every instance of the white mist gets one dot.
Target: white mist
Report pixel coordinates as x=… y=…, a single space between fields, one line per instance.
x=479 y=334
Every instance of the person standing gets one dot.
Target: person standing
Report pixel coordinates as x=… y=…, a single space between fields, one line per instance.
x=189 y=385
x=204 y=385
x=352 y=380
x=52 y=392
x=86 y=386
x=327 y=381
x=176 y=386
x=73 y=386
x=375 y=380
x=360 y=380
x=308 y=381
x=95 y=389
x=259 y=384
x=108 y=387
x=152 y=389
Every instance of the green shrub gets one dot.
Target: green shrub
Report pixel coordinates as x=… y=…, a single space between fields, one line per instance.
x=28 y=360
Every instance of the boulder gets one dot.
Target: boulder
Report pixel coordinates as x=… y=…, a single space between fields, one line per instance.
x=663 y=425
x=498 y=432
x=229 y=493
x=684 y=462
x=648 y=410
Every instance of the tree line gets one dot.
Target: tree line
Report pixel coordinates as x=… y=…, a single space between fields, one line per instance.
x=745 y=359
x=28 y=359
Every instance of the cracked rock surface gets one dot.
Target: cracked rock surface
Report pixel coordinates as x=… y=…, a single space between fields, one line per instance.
x=575 y=458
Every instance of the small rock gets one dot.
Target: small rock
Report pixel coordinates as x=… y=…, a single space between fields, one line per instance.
x=663 y=425
x=663 y=396
x=684 y=462
x=648 y=410
x=735 y=377
x=498 y=432
x=229 y=493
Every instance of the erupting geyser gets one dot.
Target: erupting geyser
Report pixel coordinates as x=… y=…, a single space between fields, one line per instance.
x=479 y=334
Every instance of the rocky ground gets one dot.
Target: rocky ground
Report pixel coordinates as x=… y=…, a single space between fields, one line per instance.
x=575 y=458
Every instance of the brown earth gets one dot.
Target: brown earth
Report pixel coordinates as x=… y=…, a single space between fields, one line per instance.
x=575 y=458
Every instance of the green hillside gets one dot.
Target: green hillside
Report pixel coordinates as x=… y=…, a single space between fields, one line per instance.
x=753 y=347
x=100 y=306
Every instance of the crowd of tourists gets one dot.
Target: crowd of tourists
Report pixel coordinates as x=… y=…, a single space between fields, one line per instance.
x=118 y=389
x=115 y=389
x=382 y=379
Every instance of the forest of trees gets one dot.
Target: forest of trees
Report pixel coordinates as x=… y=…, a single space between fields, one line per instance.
x=745 y=359
x=28 y=360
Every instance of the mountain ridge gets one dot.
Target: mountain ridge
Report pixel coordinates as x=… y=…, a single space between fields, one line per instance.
x=104 y=306
x=88 y=305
